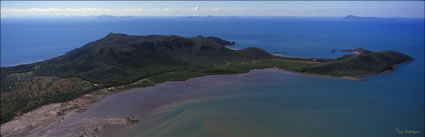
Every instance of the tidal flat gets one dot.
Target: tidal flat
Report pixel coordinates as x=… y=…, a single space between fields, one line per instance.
x=267 y=102
x=264 y=102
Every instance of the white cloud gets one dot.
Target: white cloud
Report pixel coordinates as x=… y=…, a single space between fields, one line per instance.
x=116 y=12
x=196 y=8
x=195 y=11
x=53 y=11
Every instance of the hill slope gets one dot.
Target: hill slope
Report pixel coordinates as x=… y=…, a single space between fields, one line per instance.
x=138 y=61
x=365 y=63
x=120 y=59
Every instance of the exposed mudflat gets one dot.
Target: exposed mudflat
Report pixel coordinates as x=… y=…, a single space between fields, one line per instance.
x=91 y=113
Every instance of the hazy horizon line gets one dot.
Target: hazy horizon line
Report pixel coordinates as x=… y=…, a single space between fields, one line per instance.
x=130 y=16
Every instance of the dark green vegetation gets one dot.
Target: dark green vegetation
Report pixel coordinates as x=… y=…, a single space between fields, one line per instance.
x=358 y=50
x=362 y=64
x=140 y=61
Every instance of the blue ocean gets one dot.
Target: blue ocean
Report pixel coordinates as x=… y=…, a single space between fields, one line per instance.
x=272 y=104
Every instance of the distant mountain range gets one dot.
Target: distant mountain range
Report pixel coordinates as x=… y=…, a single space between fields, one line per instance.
x=112 y=16
x=352 y=17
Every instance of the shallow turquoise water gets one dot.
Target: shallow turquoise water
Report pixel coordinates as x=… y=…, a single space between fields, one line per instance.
x=276 y=103
x=269 y=103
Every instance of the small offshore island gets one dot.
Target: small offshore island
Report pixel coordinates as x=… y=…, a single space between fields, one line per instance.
x=120 y=61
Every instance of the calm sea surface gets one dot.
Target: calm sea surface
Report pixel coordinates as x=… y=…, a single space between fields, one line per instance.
x=265 y=103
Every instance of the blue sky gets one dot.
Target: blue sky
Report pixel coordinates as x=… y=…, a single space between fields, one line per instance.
x=217 y=8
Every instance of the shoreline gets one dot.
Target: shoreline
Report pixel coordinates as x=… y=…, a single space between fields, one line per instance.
x=355 y=78
x=280 y=55
x=51 y=114
x=39 y=121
